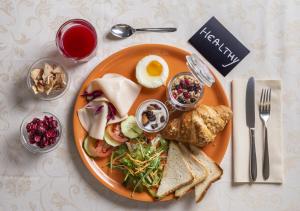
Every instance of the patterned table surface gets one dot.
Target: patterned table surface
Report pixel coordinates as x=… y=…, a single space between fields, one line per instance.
x=59 y=180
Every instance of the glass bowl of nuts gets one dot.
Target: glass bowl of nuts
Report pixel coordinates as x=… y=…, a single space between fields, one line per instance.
x=47 y=79
x=186 y=88
x=40 y=132
x=152 y=115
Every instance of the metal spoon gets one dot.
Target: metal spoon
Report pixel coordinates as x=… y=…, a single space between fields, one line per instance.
x=124 y=30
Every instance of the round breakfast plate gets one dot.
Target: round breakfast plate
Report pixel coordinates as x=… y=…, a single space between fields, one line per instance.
x=124 y=62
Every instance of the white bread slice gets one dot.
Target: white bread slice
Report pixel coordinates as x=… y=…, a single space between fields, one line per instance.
x=198 y=170
x=214 y=173
x=176 y=172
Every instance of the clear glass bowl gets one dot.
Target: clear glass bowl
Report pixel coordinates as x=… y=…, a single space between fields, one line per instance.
x=142 y=107
x=174 y=103
x=25 y=138
x=197 y=70
x=54 y=94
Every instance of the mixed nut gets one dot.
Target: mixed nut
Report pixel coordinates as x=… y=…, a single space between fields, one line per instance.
x=48 y=79
x=186 y=89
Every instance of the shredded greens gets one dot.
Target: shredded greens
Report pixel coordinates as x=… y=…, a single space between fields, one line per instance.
x=142 y=162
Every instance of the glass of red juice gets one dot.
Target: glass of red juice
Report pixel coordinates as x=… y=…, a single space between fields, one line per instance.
x=77 y=39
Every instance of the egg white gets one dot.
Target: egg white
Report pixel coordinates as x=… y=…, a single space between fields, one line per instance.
x=147 y=80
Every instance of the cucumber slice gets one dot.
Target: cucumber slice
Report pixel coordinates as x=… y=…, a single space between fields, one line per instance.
x=88 y=146
x=111 y=141
x=130 y=128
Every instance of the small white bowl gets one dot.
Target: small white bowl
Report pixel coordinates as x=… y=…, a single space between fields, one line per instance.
x=52 y=95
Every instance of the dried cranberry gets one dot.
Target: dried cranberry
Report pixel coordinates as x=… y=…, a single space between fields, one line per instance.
x=36 y=120
x=28 y=127
x=174 y=95
x=51 y=133
x=181 y=82
x=41 y=129
x=37 y=138
x=46 y=143
x=31 y=141
x=52 y=140
x=187 y=95
x=187 y=82
x=179 y=91
x=54 y=124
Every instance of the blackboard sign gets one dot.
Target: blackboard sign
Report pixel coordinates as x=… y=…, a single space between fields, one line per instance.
x=219 y=46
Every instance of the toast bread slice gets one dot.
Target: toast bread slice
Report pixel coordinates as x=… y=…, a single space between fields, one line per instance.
x=214 y=172
x=198 y=170
x=176 y=173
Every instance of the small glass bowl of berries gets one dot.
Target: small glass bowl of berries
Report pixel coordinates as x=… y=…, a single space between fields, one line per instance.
x=40 y=132
x=186 y=88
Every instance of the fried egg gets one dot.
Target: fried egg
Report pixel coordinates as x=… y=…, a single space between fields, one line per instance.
x=152 y=71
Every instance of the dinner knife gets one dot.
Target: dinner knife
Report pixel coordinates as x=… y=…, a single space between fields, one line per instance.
x=250 y=120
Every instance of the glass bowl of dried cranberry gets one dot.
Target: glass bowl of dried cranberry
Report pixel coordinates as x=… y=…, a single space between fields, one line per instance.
x=40 y=132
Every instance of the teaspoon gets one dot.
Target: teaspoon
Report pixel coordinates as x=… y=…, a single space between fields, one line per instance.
x=124 y=30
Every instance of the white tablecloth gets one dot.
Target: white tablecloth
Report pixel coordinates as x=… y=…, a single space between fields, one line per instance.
x=59 y=180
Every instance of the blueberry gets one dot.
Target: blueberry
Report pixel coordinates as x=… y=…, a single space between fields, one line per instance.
x=180 y=100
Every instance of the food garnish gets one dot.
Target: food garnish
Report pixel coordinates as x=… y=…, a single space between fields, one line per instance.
x=43 y=132
x=112 y=111
x=186 y=89
x=152 y=71
x=142 y=162
x=48 y=79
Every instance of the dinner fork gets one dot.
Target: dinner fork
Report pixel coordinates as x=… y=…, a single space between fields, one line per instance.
x=264 y=114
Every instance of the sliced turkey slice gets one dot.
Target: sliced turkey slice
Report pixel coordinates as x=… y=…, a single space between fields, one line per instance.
x=120 y=91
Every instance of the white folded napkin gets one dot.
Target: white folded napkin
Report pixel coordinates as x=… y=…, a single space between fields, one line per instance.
x=241 y=140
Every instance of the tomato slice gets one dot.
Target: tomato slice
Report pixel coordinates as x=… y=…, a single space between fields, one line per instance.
x=102 y=149
x=114 y=131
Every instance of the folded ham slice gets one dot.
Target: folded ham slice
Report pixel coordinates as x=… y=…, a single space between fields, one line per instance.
x=120 y=91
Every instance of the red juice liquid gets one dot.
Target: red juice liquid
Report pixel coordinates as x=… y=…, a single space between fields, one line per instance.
x=77 y=39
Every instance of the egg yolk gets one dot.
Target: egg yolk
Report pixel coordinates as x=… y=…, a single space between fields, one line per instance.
x=154 y=68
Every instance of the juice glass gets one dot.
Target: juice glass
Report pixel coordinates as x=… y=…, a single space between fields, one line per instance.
x=77 y=39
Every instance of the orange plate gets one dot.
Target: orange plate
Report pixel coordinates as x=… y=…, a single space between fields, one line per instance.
x=124 y=62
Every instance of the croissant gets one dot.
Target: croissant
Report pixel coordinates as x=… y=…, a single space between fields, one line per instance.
x=199 y=126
